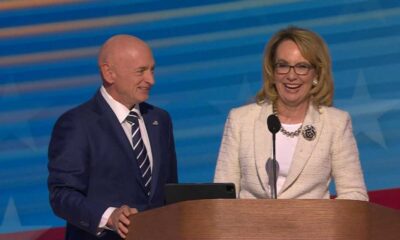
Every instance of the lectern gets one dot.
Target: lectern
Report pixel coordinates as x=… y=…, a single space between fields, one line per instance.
x=267 y=219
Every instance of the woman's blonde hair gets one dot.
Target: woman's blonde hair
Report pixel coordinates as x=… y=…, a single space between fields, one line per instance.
x=314 y=49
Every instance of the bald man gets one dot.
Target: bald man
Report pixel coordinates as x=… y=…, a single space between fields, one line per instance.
x=111 y=156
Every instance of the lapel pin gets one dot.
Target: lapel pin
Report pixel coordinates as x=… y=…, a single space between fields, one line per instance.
x=155 y=123
x=309 y=132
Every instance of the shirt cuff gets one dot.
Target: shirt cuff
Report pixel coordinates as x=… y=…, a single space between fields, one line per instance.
x=104 y=218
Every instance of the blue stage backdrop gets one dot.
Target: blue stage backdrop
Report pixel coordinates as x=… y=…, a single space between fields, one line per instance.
x=208 y=56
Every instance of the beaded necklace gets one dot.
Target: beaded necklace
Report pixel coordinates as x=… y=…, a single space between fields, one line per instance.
x=283 y=130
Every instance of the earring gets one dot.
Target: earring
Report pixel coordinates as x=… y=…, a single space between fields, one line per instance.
x=315 y=82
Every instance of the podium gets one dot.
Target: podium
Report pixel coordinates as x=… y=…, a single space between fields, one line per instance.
x=267 y=219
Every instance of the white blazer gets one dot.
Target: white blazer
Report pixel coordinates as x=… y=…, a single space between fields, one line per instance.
x=247 y=144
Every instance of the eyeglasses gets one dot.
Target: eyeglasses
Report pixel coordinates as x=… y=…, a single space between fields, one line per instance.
x=299 y=69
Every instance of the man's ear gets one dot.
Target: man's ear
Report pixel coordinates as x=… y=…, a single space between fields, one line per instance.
x=107 y=72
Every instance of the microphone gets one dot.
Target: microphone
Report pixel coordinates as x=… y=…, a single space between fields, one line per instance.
x=274 y=125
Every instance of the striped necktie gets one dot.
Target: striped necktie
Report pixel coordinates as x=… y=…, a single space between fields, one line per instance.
x=140 y=151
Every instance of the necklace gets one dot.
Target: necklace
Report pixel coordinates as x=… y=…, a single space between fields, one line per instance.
x=291 y=134
x=283 y=130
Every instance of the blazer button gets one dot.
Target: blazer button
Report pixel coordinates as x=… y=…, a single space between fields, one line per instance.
x=84 y=224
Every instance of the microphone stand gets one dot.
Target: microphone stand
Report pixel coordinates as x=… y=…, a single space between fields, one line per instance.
x=274 y=125
x=274 y=194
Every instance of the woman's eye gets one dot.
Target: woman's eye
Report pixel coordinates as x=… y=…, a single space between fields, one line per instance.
x=304 y=66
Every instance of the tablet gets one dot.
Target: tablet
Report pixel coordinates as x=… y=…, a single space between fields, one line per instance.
x=178 y=192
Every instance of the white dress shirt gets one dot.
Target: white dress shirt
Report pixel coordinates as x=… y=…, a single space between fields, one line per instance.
x=121 y=111
x=285 y=147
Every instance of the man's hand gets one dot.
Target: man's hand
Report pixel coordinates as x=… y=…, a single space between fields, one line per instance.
x=119 y=220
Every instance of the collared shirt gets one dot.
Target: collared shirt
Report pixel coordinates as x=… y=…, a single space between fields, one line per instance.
x=121 y=111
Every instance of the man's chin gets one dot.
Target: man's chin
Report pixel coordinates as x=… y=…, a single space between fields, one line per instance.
x=143 y=98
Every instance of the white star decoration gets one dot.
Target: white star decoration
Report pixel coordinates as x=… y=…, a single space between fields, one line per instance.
x=12 y=224
x=19 y=130
x=244 y=91
x=366 y=111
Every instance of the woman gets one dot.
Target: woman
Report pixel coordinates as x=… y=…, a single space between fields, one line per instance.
x=315 y=142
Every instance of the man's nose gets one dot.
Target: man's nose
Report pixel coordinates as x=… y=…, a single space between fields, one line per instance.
x=150 y=77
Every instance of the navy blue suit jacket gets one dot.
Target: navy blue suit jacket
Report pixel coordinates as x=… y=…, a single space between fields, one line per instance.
x=92 y=167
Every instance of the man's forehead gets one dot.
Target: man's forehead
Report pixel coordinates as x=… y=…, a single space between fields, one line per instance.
x=118 y=46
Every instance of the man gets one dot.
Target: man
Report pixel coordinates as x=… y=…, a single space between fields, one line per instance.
x=111 y=156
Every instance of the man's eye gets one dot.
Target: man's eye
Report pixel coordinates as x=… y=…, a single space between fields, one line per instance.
x=139 y=72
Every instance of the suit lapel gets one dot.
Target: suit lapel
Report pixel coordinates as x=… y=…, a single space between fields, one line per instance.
x=304 y=148
x=262 y=144
x=152 y=127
